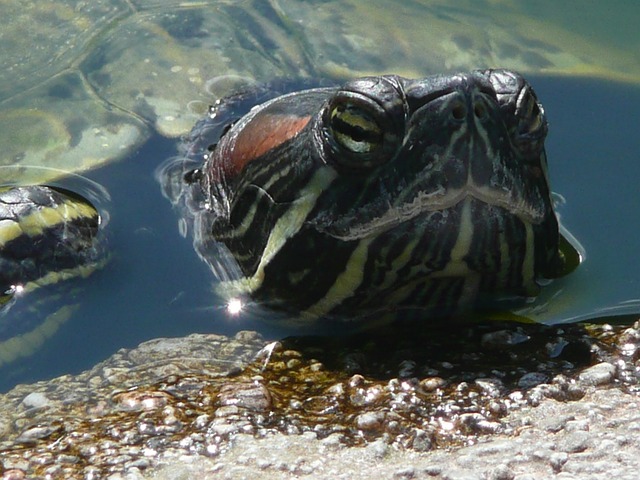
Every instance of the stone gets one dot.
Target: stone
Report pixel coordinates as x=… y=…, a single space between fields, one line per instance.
x=575 y=442
x=600 y=374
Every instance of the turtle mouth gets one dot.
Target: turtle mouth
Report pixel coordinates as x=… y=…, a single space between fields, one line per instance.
x=404 y=212
x=434 y=201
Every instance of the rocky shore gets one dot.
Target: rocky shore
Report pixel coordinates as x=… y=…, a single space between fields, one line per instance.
x=488 y=403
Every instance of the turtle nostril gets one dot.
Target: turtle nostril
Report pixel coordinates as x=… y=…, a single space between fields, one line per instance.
x=479 y=110
x=458 y=111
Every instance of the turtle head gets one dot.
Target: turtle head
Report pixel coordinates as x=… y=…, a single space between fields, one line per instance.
x=444 y=177
x=390 y=191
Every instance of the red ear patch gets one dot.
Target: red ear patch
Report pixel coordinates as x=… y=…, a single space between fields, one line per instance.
x=263 y=133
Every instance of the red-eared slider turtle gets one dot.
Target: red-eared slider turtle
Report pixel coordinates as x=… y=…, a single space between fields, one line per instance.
x=382 y=194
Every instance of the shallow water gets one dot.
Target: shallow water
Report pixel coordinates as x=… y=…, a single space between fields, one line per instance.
x=154 y=285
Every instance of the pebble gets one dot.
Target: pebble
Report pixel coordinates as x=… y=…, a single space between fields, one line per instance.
x=378 y=448
x=490 y=386
x=334 y=441
x=430 y=384
x=408 y=472
x=532 y=379
x=576 y=425
x=557 y=460
x=36 y=433
x=503 y=338
x=600 y=374
x=554 y=424
x=460 y=475
x=574 y=442
x=35 y=400
x=433 y=470
x=246 y=395
x=501 y=472
x=422 y=441
x=13 y=474
x=370 y=420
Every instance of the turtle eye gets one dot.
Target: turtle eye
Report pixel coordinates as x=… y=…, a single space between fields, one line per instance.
x=355 y=129
x=359 y=132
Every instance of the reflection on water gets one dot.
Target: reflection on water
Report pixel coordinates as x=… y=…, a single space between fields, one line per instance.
x=154 y=285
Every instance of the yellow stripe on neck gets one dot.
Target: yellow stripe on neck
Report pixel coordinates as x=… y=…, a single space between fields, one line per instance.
x=285 y=227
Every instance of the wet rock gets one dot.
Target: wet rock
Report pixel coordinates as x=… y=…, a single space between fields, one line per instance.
x=35 y=400
x=532 y=379
x=370 y=421
x=188 y=407
x=600 y=374
x=38 y=432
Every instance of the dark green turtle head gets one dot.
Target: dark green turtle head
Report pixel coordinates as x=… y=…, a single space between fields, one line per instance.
x=388 y=193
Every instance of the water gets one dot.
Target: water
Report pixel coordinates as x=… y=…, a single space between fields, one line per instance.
x=593 y=157
x=154 y=285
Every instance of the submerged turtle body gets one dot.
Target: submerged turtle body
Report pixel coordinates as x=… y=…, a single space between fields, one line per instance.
x=384 y=193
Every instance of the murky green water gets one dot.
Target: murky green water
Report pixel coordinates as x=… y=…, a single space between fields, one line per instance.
x=112 y=81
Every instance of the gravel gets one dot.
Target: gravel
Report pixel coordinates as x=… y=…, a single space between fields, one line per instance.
x=580 y=424
x=597 y=437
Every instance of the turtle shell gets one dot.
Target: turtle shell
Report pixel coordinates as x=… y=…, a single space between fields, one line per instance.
x=381 y=194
